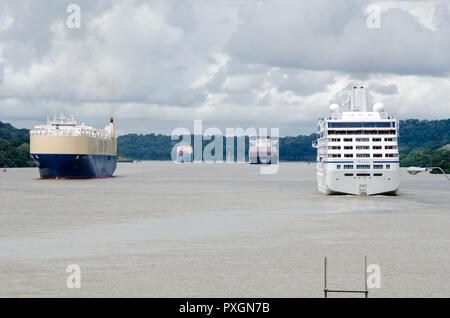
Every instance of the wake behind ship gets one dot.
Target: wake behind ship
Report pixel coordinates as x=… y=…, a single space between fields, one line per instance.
x=357 y=150
x=64 y=149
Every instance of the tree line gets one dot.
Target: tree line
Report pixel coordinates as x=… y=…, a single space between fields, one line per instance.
x=421 y=142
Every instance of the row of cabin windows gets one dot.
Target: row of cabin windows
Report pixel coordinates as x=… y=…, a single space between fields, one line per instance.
x=367 y=167
x=361 y=124
x=363 y=155
x=363 y=174
x=361 y=147
x=360 y=139
x=361 y=132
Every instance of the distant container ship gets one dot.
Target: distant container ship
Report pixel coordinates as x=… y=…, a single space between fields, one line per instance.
x=263 y=151
x=64 y=149
x=184 y=153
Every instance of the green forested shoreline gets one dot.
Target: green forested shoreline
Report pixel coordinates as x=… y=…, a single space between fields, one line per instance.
x=14 y=147
x=428 y=158
x=421 y=142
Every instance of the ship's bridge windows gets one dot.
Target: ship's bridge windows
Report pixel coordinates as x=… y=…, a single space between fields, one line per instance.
x=362 y=166
x=362 y=147
x=376 y=139
x=378 y=166
x=348 y=147
x=348 y=139
x=348 y=166
x=362 y=155
x=362 y=139
x=360 y=125
x=348 y=155
x=376 y=147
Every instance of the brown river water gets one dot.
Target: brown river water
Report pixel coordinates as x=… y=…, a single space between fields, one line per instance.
x=159 y=229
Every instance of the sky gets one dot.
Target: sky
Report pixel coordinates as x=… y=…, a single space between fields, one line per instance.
x=158 y=65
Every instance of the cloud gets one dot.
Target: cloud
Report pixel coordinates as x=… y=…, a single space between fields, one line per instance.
x=158 y=64
x=129 y=53
x=6 y=19
x=390 y=89
x=332 y=35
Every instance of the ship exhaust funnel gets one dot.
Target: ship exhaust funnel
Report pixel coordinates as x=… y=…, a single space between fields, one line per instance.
x=110 y=129
x=358 y=99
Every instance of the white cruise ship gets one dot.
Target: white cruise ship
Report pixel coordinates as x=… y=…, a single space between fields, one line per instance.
x=357 y=150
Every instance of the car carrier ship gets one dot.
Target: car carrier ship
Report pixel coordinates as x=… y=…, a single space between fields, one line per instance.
x=357 y=150
x=64 y=149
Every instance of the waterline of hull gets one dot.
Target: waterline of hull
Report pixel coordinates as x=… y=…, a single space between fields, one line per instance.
x=74 y=166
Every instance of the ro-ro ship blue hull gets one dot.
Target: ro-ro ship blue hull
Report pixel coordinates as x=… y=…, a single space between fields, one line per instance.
x=75 y=166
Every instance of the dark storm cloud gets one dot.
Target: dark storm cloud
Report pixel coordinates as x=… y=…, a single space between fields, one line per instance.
x=240 y=61
x=333 y=35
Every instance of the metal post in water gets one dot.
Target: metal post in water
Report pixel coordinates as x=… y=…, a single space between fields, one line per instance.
x=325 y=278
x=365 y=277
x=326 y=290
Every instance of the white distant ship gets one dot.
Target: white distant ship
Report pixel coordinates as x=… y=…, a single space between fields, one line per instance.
x=184 y=153
x=263 y=150
x=357 y=150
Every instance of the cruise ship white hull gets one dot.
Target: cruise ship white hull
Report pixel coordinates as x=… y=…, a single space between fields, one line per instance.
x=335 y=182
x=357 y=150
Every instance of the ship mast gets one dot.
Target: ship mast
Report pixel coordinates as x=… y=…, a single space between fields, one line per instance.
x=358 y=99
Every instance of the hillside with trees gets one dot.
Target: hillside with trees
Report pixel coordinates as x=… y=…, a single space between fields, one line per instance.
x=428 y=158
x=426 y=134
x=14 y=147
x=419 y=144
